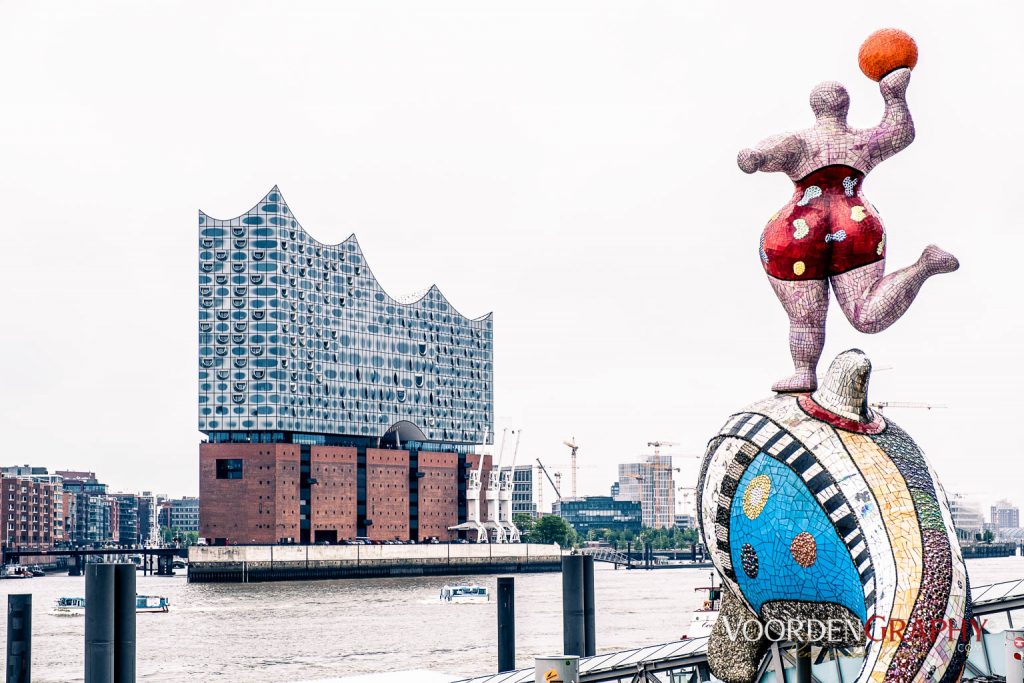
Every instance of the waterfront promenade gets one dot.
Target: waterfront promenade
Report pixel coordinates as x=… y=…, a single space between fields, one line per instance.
x=245 y=564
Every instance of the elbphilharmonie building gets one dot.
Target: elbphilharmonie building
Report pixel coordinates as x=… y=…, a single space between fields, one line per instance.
x=299 y=345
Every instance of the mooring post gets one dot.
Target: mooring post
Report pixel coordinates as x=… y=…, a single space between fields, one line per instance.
x=803 y=663
x=124 y=623
x=19 y=638
x=574 y=633
x=506 y=624
x=589 y=621
x=99 y=623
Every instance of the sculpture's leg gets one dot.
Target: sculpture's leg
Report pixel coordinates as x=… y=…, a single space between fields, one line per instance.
x=806 y=303
x=872 y=302
x=737 y=641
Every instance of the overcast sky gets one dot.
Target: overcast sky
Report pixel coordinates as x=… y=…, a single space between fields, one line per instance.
x=568 y=166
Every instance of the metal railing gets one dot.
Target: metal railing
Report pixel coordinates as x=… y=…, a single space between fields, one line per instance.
x=1000 y=605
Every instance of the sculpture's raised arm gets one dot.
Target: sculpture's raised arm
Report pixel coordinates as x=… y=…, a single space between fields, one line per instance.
x=896 y=130
x=773 y=154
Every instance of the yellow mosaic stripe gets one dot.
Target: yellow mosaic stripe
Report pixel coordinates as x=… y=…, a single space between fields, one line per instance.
x=897 y=509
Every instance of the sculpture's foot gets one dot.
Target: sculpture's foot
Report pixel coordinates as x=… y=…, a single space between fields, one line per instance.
x=937 y=261
x=802 y=381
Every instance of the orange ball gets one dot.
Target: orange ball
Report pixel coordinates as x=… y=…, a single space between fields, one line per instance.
x=886 y=50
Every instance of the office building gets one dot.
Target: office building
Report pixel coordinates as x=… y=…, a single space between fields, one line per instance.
x=523 y=502
x=184 y=514
x=967 y=518
x=650 y=483
x=1005 y=515
x=127 y=518
x=331 y=409
x=601 y=513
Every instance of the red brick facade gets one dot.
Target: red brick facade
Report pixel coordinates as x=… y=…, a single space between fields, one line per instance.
x=387 y=494
x=262 y=505
x=26 y=515
x=334 y=494
x=438 y=494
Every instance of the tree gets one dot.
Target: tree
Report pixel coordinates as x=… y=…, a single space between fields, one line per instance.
x=524 y=523
x=553 y=529
x=988 y=536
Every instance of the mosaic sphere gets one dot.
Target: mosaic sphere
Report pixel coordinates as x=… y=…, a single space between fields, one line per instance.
x=886 y=50
x=816 y=508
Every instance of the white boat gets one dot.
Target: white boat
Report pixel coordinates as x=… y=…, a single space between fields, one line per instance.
x=68 y=607
x=465 y=593
x=16 y=571
x=73 y=607
x=704 y=617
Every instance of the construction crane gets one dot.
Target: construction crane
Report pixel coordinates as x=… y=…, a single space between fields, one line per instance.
x=558 y=494
x=880 y=406
x=572 y=444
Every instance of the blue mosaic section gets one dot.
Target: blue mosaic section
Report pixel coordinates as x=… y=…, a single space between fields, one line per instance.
x=790 y=549
x=296 y=335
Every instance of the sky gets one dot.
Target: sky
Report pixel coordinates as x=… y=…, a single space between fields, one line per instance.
x=569 y=166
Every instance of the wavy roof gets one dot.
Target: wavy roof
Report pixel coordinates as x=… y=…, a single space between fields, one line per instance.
x=275 y=197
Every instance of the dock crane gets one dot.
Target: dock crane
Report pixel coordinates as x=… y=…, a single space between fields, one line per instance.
x=571 y=443
x=491 y=495
x=505 y=495
x=473 y=485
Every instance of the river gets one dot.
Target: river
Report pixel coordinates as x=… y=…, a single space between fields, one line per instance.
x=301 y=631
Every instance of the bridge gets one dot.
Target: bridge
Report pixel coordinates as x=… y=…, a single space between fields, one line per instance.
x=164 y=557
x=685 y=661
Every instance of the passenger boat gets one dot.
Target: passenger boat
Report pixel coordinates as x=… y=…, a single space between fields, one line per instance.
x=71 y=607
x=704 y=617
x=16 y=571
x=465 y=593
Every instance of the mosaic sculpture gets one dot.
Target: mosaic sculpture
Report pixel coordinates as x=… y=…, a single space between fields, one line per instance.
x=823 y=518
x=819 y=513
x=829 y=233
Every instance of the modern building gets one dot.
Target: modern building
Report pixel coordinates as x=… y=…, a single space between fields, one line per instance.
x=26 y=512
x=600 y=513
x=650 y=483
x=184 y=514
x=58 y=527
x=127 y=518
x=685 y=522
x=967 y=518
x=149 y=524
x=523 y=502
x=95 y=519
x=1005 y=515
x=331 y=409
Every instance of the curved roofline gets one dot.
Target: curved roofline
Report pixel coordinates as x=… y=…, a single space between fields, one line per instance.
x=352 y=238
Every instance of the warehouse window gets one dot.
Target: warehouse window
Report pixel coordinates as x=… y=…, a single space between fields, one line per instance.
x=229 y=468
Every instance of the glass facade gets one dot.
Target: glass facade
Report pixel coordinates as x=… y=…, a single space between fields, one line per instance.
x=650 y=483
x=298 y=336
x=601 y=512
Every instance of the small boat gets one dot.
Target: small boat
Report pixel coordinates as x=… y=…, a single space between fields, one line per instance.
x=16 y=571
x=151 y=603
x=704 y=617
x=465 y=593
x=72 y=607
x=68 y=607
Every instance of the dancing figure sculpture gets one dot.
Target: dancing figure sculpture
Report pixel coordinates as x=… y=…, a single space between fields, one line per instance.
x=829 y=233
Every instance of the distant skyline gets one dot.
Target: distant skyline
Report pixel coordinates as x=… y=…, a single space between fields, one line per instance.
x=569 y=166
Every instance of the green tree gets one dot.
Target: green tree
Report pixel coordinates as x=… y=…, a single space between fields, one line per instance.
x=553 y=529
x=524 y=523
x=988 y=536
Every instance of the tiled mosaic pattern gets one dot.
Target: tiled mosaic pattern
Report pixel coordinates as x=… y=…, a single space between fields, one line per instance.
x=295 y=335
x=852 y=521
x=829 y=233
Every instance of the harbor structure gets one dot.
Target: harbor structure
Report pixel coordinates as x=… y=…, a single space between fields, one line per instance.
x=331 y=409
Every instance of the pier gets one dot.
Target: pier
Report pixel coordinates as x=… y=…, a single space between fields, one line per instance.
x=244 y=564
